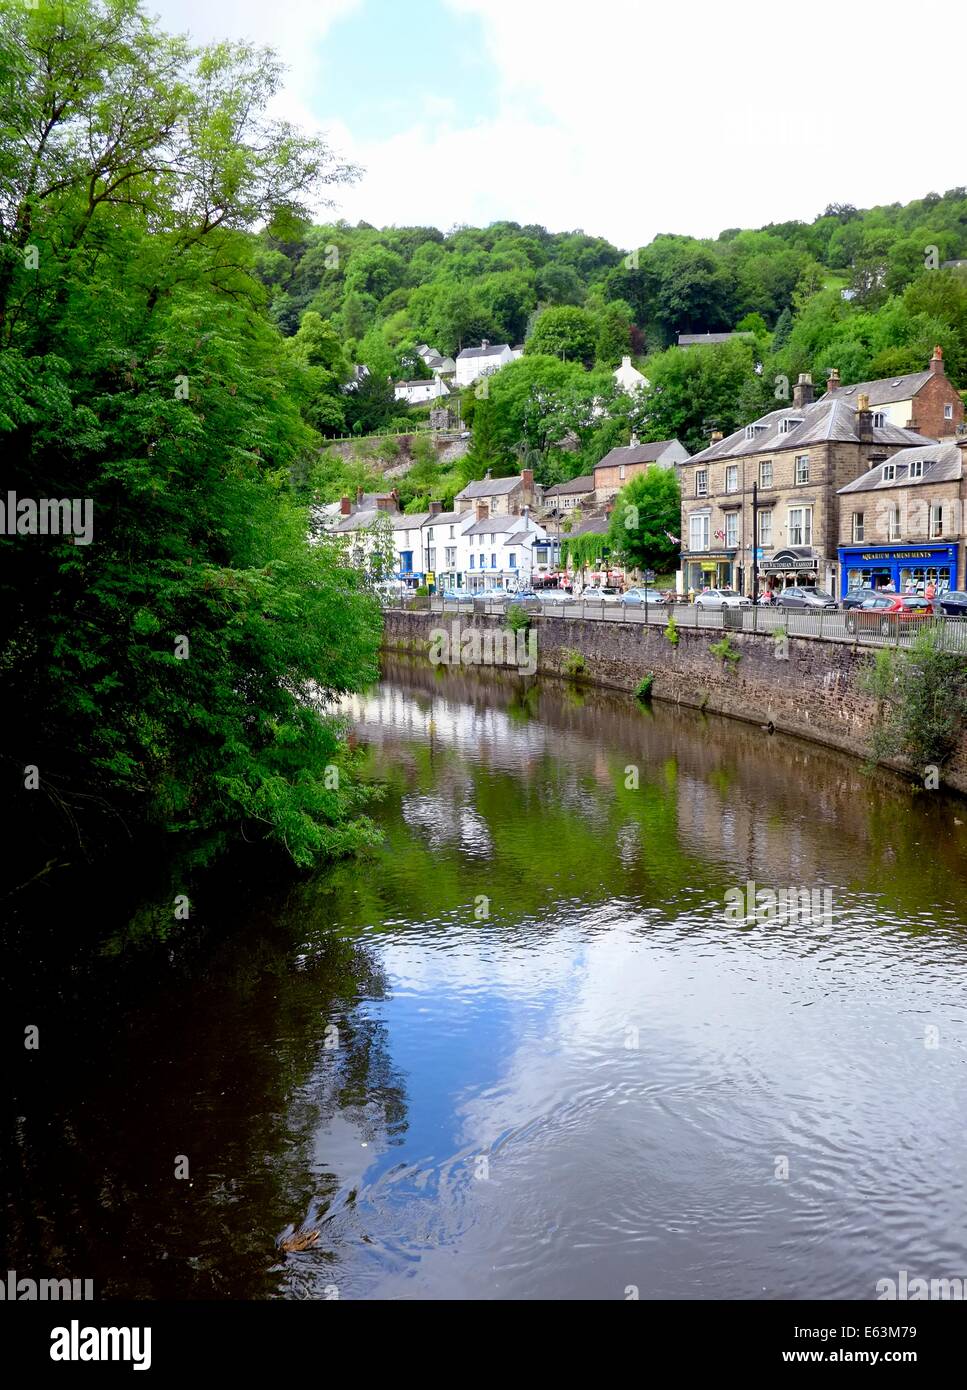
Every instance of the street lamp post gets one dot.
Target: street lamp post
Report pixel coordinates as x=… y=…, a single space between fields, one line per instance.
x=755 y=541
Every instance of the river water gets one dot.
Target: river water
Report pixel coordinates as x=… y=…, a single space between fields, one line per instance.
x=529 y=1048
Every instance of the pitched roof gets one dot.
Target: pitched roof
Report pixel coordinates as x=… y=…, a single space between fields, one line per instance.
x=411 y=522
x=594 y=526
x=491 y=525
x=830 y=419
x=519 y=537
x=358 y=521
x=491 y=487
x=445 y=518
x=584 y=484
x=635 y=453
x=942 y=463
x=698 y=339
x=897 y=388
x=491 y=350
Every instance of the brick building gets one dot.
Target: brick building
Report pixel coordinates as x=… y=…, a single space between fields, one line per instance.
x=798 y=458
x=922 y=401
x=902 y=523
x=503 y=496
x=621 y=464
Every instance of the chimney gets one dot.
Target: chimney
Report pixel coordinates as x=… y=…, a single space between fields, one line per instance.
x=485 y=342
x=715 y=437
x=802 y=392
x=483 y=511
x=626 y=361
x=864 y=418
x=486 y=476
x=436 y=508
x=936 y=362
x=527 y=478
x=386 y=503
x=634 y=441
x=832 y=381
x=359 y=496
x=345 y=507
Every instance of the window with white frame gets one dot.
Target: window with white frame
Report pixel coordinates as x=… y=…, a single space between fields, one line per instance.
x=621 y=471
x=765 y=473
x=936 y=519
x=893 y=523
x=701 y=482
x=472 y=561
x=889 y=472
x=800 y=525
x=858 y=526
x=765 y=528
x=732 y=478
x=802 y=468
x=948 y=411
x=732 y=530
x=879 y=419
x=698 y=529
x=916 y=468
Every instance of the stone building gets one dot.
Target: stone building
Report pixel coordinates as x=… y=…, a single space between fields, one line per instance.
x=901 y=524
x=798 y=457
x=921 y=401
x=502 y=495
x=621 y=464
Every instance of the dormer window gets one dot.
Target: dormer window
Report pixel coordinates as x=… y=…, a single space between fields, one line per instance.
x=889 y=472
x=916 y=468
x=753 y=431
x=879 y=419
x=790 y=423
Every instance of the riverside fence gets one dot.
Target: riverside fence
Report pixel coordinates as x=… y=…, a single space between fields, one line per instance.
x=828 y=625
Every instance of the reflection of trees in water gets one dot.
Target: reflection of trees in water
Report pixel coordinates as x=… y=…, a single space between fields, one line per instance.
x=769 y=803
x=220 y=1058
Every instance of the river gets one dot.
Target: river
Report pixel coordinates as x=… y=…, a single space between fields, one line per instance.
x=527 y=1049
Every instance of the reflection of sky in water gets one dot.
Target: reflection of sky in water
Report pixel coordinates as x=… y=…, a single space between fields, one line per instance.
x=654 y=1163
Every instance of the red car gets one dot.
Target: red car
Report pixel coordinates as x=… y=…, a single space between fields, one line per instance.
x=884 y=612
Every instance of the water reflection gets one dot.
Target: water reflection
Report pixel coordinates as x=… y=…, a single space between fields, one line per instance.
x=560 y=1070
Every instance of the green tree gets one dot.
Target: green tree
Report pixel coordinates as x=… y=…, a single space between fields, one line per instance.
x=175 y=668
x=568 y=333
x=646 y=510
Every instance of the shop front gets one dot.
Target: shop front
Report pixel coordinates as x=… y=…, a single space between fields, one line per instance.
x=906 y=569
x=709 y=571
x=799 y=565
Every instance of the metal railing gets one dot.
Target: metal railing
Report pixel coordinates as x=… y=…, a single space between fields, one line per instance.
x=829 y=625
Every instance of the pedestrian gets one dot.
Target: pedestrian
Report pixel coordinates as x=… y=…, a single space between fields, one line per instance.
x=930 y=593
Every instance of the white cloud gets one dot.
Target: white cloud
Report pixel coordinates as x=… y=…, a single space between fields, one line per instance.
x=627 y=119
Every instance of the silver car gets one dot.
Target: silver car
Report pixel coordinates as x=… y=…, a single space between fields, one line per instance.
x=722 y=598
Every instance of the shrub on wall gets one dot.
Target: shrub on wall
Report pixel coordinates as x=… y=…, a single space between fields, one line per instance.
x=923 y=701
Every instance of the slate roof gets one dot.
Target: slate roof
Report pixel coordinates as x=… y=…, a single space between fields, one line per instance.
x=942 y=463
x=445 y=518
x=898 y=388
x=830 y=419
x=358 y=521
x=594 y=526
x=402 y=522
x=492 y=525
x=492 y=350
x=490 y=487
x=584 y=484
x=635 y=453
x=519 y=537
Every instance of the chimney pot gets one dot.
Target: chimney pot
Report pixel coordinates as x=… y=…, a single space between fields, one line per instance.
x=626 y=361
x=483 y=511
x=864 y=417
x=436 y=508
x=527 y=478
x=345 y=507
x=715 y=436
x=937 y=362
x=833 y=382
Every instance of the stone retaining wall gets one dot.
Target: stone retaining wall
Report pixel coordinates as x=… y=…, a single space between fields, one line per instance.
x=816 y=693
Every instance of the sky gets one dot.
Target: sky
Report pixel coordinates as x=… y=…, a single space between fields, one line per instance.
x=622 y=118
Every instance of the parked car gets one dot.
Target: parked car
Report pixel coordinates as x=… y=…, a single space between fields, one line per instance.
x=884 y=613
x=856 y=597
x=597 y=593
x=524 y=598
x=954 y=602
x=642 y=596
x=805 y=598
x=458 y=596
x=721 y=598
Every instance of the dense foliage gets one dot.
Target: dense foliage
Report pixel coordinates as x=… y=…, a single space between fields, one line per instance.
x=170 y=671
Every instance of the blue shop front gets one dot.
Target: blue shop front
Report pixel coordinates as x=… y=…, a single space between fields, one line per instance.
x=908 y=568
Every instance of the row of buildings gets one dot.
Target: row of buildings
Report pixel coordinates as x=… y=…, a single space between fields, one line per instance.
x=861 y=487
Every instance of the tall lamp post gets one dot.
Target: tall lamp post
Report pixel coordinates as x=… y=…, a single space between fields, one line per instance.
x=755 y=541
